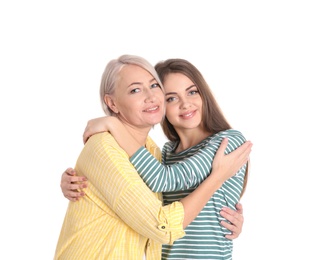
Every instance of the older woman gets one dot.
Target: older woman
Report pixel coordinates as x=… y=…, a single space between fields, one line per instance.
x=120 y=217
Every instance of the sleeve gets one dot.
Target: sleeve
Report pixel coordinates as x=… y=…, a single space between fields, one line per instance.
x=187 y=173
x=119 y=186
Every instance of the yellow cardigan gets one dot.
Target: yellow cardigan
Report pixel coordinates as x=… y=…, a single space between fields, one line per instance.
x=119 y=217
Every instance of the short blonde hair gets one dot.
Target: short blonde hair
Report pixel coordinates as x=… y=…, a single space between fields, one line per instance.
x=111 y=72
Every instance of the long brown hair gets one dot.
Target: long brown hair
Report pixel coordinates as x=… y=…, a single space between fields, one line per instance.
x=212 y=118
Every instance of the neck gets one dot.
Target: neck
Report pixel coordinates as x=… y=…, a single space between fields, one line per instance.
x=190 y=137
x=138 y=134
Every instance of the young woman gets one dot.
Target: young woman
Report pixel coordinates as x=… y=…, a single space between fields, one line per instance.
x=120 y=217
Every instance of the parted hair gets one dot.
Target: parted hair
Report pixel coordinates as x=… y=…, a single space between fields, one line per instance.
x=111 y=74
x=212 y=118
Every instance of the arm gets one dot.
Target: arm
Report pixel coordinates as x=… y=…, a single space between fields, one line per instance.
x=72 y=186
x=70 y=191
x=234 y=161
x=115 y=184
x=235 y=217
x=116 y=128
x=185 y=174
x=122 y=187
x=221 y=164
x=236 y=227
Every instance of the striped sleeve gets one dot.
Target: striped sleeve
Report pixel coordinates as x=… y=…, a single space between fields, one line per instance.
x=187 y=173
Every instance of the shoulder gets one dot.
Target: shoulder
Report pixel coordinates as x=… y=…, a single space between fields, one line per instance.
x=104 y=142
x=104 y=137
x=235 y=139
x=231 y=134
x=100 y=149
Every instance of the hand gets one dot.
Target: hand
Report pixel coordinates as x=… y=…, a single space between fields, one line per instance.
x=72 y=185
x=235 y=218
x=229 y=164
x=96 y=125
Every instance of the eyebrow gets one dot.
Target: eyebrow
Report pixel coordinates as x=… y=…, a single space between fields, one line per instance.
x=135 y=83
x=140 y=83
x=172 y=93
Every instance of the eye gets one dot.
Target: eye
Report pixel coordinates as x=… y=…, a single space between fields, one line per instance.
x=135 y=90
x=171 y=99
x=193 y=91
x=155 y=85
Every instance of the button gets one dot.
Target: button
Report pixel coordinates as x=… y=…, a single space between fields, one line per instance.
x=163 y=226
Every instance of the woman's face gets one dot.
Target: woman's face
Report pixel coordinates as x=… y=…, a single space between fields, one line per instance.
x=138 y=97
x=183 y=102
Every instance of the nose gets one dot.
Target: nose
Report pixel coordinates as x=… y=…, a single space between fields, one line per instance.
x=150 y=96
x=184 y=104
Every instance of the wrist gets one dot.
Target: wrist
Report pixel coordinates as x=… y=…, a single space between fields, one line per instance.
x=216 y=179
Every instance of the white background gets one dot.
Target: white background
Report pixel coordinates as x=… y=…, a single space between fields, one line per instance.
x=255 y=55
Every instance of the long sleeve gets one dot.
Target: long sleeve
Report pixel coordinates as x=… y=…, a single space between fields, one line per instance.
x=187 y=173
x=118 y=189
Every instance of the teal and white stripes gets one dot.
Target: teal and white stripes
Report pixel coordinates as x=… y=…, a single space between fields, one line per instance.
x=178 y=176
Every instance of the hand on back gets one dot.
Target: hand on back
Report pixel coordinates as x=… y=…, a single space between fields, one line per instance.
x=229 y=164
x=73 y=185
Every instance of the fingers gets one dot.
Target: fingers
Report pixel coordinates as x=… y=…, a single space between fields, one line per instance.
x=233 y=216
x=72 y=185
x=234 y=230
x=87 y=132
x=69 y=176
x=76 y=186
x=239 y=208
x=244 y=151
x=240 y=156
x=236 y=222
x=73 y=191
x=70 y=171
x=74 y=179
x=220 y=152
x=223 y=145
x=74 y=195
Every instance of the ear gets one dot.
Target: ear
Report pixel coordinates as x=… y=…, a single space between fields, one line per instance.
x=109 y=101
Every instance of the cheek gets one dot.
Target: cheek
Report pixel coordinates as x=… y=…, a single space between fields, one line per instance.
x=127 y=111
x=171 y=113
x=161 y=97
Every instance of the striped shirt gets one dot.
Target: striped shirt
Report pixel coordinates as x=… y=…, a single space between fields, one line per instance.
x=119 y=217
x=178 y=176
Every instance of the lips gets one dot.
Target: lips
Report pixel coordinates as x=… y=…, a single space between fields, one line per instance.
x=151 y=109
x=188 y=114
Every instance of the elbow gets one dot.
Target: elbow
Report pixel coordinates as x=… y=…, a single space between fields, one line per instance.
x=168 y=237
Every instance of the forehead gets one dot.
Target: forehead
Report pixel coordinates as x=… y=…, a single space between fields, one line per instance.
x=133 y=73
x=174 y=82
